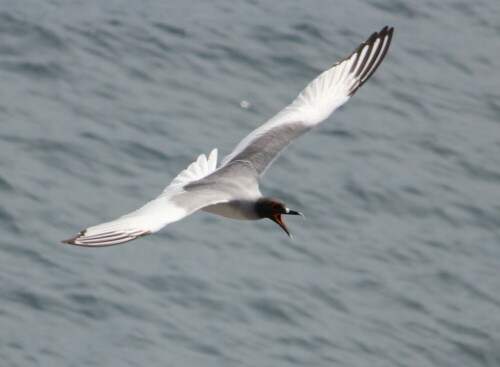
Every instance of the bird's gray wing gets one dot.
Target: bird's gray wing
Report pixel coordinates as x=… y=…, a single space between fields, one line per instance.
x=314 y=104
x=174 y=203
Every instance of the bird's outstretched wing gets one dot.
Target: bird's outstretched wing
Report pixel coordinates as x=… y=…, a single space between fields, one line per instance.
x=173 y=204
x=314 y=104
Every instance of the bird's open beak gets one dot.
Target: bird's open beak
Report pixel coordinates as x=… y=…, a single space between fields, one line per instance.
x=279 y=220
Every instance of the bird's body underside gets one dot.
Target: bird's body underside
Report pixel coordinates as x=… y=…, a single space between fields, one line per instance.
x=235 y=209
x=232 y=188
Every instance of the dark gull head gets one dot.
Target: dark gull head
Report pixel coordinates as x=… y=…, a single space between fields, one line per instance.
x=273 y=209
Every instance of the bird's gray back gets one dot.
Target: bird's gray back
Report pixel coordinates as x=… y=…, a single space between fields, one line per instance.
x=235 y=181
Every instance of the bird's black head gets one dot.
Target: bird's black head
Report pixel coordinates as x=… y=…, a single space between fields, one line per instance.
x=273 y=209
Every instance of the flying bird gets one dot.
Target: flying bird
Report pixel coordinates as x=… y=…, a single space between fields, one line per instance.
x=231 y=189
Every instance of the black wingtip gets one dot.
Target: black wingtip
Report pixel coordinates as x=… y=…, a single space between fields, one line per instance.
x=72 y=241
x=368 y=65
x=80 y=240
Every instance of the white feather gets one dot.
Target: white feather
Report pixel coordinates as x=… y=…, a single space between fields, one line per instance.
x=152 y=216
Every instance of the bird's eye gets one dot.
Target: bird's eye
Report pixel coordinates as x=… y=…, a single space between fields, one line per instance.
x=275 y=207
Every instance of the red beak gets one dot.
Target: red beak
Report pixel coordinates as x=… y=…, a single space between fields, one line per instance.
x=278 y=219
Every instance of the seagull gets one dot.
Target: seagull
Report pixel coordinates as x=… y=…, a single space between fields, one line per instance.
x=231 y=189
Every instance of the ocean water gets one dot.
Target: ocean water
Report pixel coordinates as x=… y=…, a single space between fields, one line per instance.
x=102 y=103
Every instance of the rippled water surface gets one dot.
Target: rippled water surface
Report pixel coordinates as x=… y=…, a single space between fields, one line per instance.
x=397 y=263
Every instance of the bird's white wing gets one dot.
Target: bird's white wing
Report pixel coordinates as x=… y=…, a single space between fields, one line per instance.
x=314 y=104
x=173 y=204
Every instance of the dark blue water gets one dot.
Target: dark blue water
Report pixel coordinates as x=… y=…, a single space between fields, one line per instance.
x=397 y=263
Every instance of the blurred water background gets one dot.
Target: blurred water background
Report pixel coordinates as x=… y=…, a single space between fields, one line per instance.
x=397 y=262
